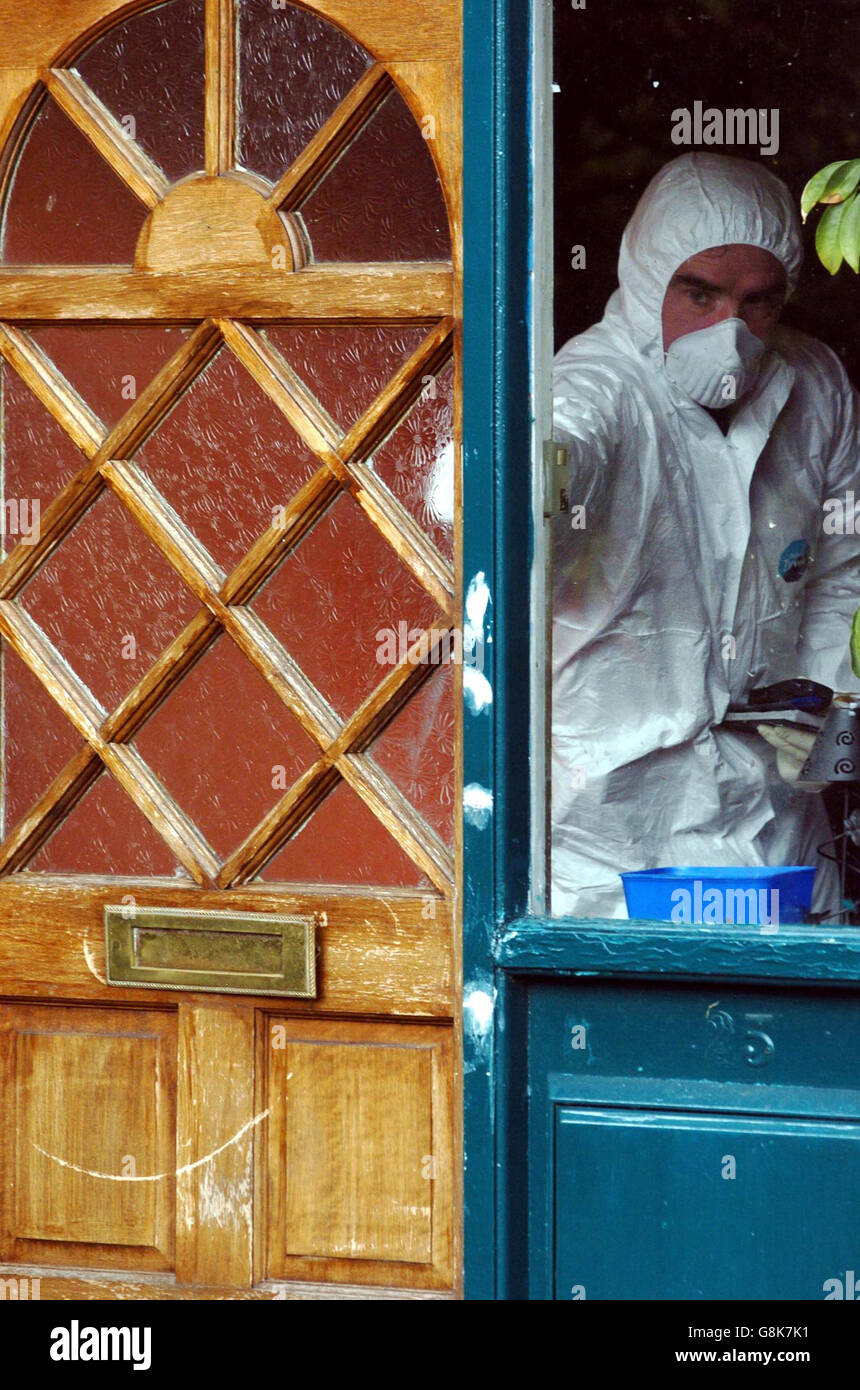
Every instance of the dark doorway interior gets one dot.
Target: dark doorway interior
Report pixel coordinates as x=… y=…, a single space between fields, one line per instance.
x=624 y=67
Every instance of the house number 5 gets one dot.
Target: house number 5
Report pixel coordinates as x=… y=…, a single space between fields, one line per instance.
x=758 y=1047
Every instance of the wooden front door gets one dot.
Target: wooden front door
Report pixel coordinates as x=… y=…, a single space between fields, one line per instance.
x=229 y=336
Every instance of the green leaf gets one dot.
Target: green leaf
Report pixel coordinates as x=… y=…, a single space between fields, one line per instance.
x=855 y=644
x=849 y=233
x=827 y=238
x=817 y=184
x=841 y=183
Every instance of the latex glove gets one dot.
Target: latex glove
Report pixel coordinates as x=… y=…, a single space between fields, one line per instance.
x=793 y=747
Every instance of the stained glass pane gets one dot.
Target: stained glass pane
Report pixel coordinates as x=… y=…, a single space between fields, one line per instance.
x=294 y=70
x=417 y=752
x=38 y=739
x=149 y=72
x=66 y=206
x=346 y=366
x=38 y=456
x=382 y=201
x=344 y=843
x=108 y=600
x=417 y=462
x=225 y=746
x=109 y=364
x=227 y=460
x=345 y=606
x=107 y=834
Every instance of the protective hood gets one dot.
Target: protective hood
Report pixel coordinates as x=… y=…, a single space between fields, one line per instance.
x=693 y=203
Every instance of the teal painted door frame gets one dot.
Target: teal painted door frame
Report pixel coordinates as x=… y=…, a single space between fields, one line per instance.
x=526 y=978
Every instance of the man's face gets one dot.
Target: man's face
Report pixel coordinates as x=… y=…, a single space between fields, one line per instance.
x=725 y=282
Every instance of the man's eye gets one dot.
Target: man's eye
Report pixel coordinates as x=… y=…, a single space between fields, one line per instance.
x=701 y=297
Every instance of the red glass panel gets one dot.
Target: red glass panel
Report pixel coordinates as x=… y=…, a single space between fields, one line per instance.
x=294 y=70
x=225 y=746
x=344 y=843
x=343 y=604
x=108 y=600
x=66 y=206
x=227 y=460
x=39 y=457
x=150 y=68
x=38 y=739
x=109 y=364
x=417 y=462
x=346 y=366
x=382 y=201
x=417 y=752
x=107 y=834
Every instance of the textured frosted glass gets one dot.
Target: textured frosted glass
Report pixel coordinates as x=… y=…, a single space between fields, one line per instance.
x=417 y=752
x=225 y=746
x=150 y=68
x=107 y=834
x=346 y=366
x=417 y=462
x=39 y=457
x=382 y=201
x=108 y=364
x=294 y=70
x=344 y=843
x=108 y=600
x=226 y=459
x=66 y=206
x=334 y=599
x=38 y=739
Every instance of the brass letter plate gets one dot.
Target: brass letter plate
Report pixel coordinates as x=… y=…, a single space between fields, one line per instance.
x=223 y=952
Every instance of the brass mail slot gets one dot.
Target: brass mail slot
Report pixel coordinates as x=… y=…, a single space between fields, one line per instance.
x=224 y=952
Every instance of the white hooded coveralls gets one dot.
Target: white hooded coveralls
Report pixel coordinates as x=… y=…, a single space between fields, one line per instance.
x=703 y=569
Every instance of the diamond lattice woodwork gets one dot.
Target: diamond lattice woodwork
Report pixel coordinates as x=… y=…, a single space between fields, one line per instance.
x=227 y=301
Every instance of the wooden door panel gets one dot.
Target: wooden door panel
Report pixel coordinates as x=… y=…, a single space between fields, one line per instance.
x=89 y=1120
x=231 y=382
x=359 y=1156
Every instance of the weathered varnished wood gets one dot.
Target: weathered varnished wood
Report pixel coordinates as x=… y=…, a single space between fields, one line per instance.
x=389 y=953
x=88 y=1182
x=57 y=30
x=323 y=293
x=215 y=1145
x=82 y=1287
x=393 y=953
x=81 y=423
x=103 y=130
x=387 y=1189
x=220 y=121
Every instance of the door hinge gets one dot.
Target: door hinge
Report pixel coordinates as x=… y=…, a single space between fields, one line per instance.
x=555 y=466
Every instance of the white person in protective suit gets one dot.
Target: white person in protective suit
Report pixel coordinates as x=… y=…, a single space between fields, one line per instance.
x=704 y=439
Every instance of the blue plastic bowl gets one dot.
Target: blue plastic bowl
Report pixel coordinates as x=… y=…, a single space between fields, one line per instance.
x=713 y=896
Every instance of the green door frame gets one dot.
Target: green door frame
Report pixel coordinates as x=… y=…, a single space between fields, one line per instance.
x=505 y=946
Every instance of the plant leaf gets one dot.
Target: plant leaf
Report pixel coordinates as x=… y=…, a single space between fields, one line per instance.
x=849 y=233
x=841 y=183
x=827 y=238
x=855 y=644
x=817 y=184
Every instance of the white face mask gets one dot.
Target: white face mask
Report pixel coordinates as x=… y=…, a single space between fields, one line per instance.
x=715 y=366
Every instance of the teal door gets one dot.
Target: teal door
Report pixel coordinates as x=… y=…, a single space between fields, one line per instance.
x=692 y=1140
